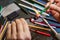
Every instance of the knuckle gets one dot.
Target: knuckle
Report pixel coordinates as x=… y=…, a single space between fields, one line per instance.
x=22 y=18
x=9 y=25
x=14 y=37
x=13 y=22
x=28 y=37
x=17 y=20
x=20 y=38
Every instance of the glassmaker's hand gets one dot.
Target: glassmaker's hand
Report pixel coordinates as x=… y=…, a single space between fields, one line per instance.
x=18 y=30
x=55 y=9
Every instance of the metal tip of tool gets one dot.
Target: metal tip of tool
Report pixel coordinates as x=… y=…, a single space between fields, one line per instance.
x=58 y=36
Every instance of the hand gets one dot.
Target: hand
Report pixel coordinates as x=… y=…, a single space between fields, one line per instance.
x=55 y=9
x=18 y=30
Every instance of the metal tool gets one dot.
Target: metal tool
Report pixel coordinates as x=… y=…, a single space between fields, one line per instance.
x=56 y=34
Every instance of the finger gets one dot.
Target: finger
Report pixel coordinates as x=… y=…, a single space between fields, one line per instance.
x=49 y=3
x=8 y=32
x=26 y=29
x=58 y=4
x=55 y=7
x=20 y=34
x=48 y=10
x=14 y=33
x=57 y=1
x=56 y=15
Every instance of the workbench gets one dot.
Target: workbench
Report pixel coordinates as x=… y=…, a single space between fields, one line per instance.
x=35 y=36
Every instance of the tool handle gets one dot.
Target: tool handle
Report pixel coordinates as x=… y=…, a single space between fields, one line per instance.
x=58 y=36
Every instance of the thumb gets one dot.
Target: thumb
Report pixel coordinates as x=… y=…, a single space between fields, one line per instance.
x=55 y=7
x=49 y=3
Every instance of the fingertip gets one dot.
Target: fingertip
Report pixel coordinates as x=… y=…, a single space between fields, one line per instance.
x=13 y=23
x=47 y=5
x=9 y=25
x=48 y=11
x=52 y=6
x=53 y=12
x=22 y=19
x=17 y=21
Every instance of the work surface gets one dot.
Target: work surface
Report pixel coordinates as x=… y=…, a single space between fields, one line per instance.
x=35 y=36
x=12 y=8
